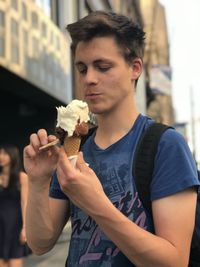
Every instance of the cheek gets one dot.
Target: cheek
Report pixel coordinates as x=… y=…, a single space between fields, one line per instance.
x=117 y=85
x=111 y=81
x=6 y=160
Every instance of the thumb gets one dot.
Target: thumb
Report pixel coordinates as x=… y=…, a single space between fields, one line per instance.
x=81 y=164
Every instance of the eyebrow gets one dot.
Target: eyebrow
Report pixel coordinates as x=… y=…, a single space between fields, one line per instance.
x=79 y=63
x=101 y=60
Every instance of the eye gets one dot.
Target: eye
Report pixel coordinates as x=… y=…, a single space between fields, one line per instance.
x=82 y=69
x=103 y=68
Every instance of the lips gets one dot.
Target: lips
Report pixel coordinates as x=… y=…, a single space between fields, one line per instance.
x=92 y=95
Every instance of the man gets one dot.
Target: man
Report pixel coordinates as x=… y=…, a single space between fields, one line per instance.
x=109 y=225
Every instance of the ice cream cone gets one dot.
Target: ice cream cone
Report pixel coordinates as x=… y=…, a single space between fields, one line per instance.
x=72 y=145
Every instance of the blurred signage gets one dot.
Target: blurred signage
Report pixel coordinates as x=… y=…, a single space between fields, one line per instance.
x=160 y=79
x=35 y=49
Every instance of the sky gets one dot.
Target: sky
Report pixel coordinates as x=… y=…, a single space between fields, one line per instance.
x=183 y=20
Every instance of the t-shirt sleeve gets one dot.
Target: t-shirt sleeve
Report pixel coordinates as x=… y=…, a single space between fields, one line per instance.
x=55 y=190
x=175 y=168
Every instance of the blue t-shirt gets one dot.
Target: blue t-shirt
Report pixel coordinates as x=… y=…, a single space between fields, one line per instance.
x=174 y=171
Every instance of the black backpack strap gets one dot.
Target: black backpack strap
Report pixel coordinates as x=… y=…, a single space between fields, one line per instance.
x=143 y=163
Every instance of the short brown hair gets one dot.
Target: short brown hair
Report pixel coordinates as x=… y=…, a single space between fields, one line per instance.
x=128 y=35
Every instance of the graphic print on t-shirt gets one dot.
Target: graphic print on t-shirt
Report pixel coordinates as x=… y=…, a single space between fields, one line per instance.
x=116 y=178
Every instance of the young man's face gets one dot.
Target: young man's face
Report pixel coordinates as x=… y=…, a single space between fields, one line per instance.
x=105 y=78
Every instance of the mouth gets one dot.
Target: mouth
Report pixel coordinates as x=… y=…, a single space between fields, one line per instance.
x=91 y=96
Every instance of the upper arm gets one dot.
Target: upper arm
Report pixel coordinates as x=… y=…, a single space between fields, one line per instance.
x=174 y=218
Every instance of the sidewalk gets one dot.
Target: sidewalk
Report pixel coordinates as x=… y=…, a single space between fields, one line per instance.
x=56 y=257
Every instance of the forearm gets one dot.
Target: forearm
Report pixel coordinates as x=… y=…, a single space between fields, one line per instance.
x=39 y=223
x=23 y=209
x=141 y=247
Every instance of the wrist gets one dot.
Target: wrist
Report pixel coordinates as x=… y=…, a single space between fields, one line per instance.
x=39 y=185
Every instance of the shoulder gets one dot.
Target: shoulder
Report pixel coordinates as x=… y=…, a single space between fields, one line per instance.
x=171 y=135
x=173 y=147
x=171 y=139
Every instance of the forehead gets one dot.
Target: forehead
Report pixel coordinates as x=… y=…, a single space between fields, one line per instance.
x=105 y=47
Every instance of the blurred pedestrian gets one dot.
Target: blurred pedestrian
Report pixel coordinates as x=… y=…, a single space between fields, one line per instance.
x=13 y=201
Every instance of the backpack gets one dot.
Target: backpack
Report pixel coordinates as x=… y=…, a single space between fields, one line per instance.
x=143 y=166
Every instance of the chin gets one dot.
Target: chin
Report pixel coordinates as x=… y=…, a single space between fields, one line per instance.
x=95 y=109
x=98 y=109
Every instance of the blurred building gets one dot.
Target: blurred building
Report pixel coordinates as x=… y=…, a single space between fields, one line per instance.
x=36 y=69
x=158 y=71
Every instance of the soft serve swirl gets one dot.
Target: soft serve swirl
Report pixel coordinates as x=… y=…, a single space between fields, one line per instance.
x=74 y=113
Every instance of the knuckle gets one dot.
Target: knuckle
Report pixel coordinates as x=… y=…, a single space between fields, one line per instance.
x=28 y=151
x=33 y=136
x=42 y=131
x=64 y=185
x=70 y=177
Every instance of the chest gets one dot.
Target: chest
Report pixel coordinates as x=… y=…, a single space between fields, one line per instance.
x=4 y=179
x=113 y=167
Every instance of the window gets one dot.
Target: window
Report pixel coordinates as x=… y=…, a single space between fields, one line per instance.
x=25 y=39
x=14 y=41
x=15 y=53
x=52 y=37
x=34 y=20
x=35 y=47
x=24 y=11
x=44 y=30
x=14 y=28
x=14 y=4
x=2 y=47
x=2 y=19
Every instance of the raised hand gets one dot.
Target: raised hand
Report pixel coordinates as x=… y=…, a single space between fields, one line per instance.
x=80 y=184
x=38 y=163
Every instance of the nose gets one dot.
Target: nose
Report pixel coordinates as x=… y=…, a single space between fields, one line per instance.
x=91 y=76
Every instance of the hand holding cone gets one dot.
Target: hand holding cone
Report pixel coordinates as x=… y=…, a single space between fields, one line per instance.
x=72 y=124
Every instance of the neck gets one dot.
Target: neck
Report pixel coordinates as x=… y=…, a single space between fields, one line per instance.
x=6 y=169
x=114 y=125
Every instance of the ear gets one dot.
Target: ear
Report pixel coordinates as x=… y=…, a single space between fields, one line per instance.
x=137 y=67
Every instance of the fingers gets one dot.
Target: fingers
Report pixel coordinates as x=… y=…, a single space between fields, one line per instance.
x=81 y=164
x=23 y=239
x=39 y=139
x=64 y=168
x=29 y=152
x=64 y=161
x=36 y=141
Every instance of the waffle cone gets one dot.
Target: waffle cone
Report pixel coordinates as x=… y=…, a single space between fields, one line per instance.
x=72 y=145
